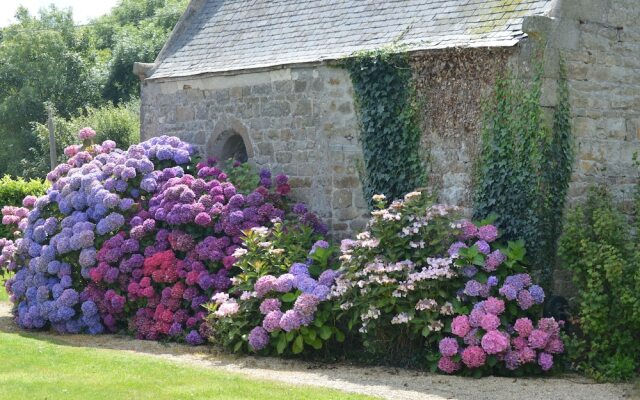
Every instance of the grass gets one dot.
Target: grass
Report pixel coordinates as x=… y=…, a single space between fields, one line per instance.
x=37 y=369
x=3 y=292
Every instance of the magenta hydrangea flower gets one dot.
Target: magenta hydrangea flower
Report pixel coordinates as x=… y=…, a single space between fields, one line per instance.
x=460 y=326
x=538 y=339
x=203 y=219
x=474 y=357
x=469 y=230
x=284 y=283
x=512 y=360
x=494 y=260
x=472 y=338
x=519 y=342
x=523 y=326
x=549 y=325
x=306 y=304
x=446 y=364
x=488 y=233
x=554 y=346
x=494 y=342
x=448 y=347
x=475 y=318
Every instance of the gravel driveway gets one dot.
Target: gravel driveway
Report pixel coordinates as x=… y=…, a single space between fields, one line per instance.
x=385 y=383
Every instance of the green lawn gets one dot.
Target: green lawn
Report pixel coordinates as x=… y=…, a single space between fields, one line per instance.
x=3 y=291
x=32 y=368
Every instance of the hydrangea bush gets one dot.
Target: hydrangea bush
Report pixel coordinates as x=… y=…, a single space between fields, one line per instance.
x=137 y=239
x=279 y=300
x=420 y=273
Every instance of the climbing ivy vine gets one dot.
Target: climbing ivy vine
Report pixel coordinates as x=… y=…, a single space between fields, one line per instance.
x=524 y=167
x=390 y=131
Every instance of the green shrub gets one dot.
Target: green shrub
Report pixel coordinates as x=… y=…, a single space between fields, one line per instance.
x=12 y=191
x=118 y=123
x=600 y=249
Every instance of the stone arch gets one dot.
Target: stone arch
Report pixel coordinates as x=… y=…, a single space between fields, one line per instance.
x=230 y=139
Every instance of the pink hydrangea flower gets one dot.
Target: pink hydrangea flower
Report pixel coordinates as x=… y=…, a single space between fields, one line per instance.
x=527 y=355
x=494 y=260
x=474 y=356
x=489 y=322
x=488 y=233
x=446 y=364
x=523 y=326
x=494 y=306
x=554 y=346
x=460 y=326
x=519 y=342
x=469 y=230
x=448 y=347
x=494 y=342
x=86 y=133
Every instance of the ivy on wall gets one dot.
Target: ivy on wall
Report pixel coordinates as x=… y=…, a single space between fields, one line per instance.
x=390 y=137
x=524 y=167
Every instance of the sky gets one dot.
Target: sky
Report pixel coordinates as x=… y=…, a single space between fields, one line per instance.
x=83 y=10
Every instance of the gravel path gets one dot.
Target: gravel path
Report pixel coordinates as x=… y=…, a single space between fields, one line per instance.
x=385 y=383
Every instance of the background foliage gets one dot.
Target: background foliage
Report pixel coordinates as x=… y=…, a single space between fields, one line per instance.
x=390 y=133
x=12 y=191
x=601 y=250
x=79 y=69
x=524 y=167
x=119 y=123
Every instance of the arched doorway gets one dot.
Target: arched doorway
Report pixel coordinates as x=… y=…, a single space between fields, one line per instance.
x=234 y=148
x=229 y=144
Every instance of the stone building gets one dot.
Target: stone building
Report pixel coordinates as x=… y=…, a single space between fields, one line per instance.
x=257 y=79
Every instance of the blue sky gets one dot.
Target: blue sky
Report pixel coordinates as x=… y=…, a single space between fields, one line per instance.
x=83 y=10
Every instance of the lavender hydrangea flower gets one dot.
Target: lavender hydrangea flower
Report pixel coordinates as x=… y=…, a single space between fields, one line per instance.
x=291 y=320
x=483 y=247
x=306 y=304
x=258 y=338
x=271 y=321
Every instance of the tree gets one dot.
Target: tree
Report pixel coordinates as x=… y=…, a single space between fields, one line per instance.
x=41 y=59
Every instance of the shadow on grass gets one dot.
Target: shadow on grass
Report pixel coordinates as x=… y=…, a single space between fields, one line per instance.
x=400 y=383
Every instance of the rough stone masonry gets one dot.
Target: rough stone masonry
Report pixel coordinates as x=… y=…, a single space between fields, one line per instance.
x=300 y=119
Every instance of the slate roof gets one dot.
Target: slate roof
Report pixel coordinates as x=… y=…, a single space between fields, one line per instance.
x=228 y=35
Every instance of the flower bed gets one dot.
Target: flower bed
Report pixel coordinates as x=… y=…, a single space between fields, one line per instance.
x=442 y=293
x=150 y=242
x=135 y=240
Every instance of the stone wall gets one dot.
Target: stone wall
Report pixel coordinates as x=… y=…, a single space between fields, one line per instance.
x=600 y=41
x=450 y=86
x=297 y=121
